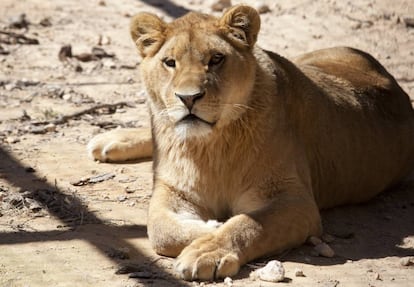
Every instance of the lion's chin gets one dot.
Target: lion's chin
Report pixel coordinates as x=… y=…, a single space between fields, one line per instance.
x=192 y=126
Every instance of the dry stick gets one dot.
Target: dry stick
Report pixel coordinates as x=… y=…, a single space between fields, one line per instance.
x=21 y=37
x=64 y=119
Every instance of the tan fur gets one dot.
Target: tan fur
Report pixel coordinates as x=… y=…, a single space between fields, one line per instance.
x=278 y=139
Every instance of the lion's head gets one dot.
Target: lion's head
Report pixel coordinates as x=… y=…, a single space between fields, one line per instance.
x=199 y=70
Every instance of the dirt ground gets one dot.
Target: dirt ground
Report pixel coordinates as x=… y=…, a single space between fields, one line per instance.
x=66 y=220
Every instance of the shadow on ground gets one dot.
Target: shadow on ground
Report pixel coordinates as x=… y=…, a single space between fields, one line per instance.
x=168 y=7
x=84 y=225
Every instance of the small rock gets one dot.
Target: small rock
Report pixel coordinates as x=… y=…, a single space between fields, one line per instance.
x=228 y=281
x=220 y=5
x=78 y=68
x=45 y=22
x=407 y=261
x=324 y=250
x=67 y=96
x=129 y=189
x=9 y=87
x=19 y=21
x=54 y=91
x=86 y=57
x=50 y=127
x=29 y=169
x=4 y=51
x=314 y=240
x=261 y=7
x=12 y=140
x=122 y=198
x=272 y=272
x=409 y=22
x=65 y=52
x=377 y=276
x=299 y=273
x=109 y=64
x=101 y=53
x=33 y=205
x=104 y=40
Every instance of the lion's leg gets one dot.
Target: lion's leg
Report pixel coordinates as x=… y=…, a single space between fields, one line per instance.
x=287 y=221
x=121 y=145
x=174 y=223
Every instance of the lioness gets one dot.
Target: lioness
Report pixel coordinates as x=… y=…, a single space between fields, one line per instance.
x=248 y=146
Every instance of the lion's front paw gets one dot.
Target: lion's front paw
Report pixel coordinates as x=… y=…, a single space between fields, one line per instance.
x=206 y=259
x=121 y=145
x=108 y=146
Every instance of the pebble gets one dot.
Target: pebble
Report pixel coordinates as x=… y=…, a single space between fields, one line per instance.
x=19 y=21
x=272 y=272
x=129 y=189
x=4 y=51
x=299 y=273
x=50 y=127
x=33 y=205
x=12 y=140
x=377 y=276
x=45 y=22
x=104 y=40
x=261 y=7
x=122 y=198
x=324 y=250
x=109 y=64
x=407 y=261
x=220 y=5
x=228 y=281
x=409 y=22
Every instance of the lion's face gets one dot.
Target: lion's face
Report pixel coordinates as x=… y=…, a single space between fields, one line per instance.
x=199 y=71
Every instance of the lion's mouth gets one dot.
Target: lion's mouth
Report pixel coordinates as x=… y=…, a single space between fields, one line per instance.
x=192 y=119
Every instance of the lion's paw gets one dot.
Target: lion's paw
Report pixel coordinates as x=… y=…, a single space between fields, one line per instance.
x=120 y=145
x=104 y=147
x=206 y=259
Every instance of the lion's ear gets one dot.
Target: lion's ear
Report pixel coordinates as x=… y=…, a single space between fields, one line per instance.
x=147 y=31
x=241 y=23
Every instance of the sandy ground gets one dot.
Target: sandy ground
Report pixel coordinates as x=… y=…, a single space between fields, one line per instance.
x=68 y=221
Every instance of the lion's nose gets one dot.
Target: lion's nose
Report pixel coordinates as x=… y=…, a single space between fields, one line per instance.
x=189 y=100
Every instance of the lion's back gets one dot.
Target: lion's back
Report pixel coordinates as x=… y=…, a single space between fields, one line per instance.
x=361 y=124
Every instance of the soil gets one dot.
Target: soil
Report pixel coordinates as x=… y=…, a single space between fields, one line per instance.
x=66 y=220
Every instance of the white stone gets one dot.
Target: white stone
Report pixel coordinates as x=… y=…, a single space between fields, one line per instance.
x=228 y=281
x=272 y=272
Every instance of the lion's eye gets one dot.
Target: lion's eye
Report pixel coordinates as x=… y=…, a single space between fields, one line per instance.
x=169 y=63
x=216 y=59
